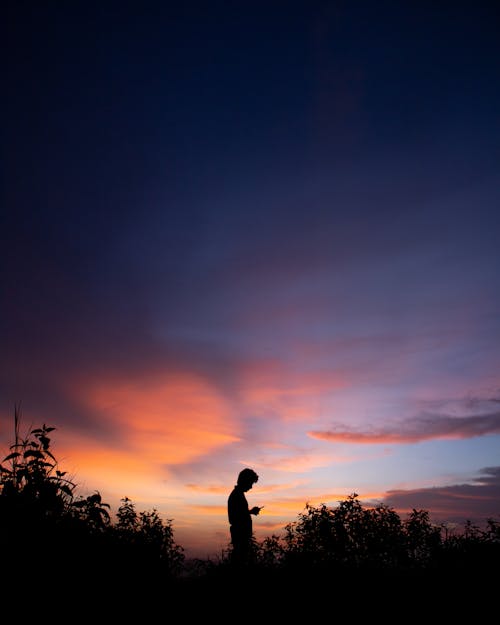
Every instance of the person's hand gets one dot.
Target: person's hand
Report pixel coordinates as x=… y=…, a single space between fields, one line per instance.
x=255 y=510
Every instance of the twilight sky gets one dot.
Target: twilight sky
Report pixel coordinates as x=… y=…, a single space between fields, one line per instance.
x=260 y=234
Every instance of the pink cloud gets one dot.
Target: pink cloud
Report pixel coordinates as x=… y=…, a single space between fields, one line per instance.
x=272 y=386
x=425 y=427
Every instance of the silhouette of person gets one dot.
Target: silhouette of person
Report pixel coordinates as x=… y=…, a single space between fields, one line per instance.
x=240 y=521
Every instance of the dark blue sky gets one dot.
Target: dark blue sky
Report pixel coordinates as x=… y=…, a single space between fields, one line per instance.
x=292 y=204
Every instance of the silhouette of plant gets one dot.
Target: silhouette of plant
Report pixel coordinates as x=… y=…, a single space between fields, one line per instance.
x=41 y=520
x=493 y=531
x=92 y=511
x=148 y=537
x=127 y=516
x=354 y=536
x=32 y=484
x=423 y=539
x=270 y=552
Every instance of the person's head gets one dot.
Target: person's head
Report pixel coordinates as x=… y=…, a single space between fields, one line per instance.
x=247 y=478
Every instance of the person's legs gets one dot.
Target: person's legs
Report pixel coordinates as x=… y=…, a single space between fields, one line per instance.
x=240 y=551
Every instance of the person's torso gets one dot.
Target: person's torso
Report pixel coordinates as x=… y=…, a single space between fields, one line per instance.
x=237 y=508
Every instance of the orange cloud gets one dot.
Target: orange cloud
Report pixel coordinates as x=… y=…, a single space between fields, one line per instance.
x=298 y=463
x=362 y=438
x=209 y=490
x=169 y=421
x=100 y=466
x=210 y=510
x=158 y=423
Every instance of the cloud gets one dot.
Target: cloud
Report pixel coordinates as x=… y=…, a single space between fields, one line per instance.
x=207 y=490
x=169 y=420
x=424 y=427
x=476 y=501
x=296 y=463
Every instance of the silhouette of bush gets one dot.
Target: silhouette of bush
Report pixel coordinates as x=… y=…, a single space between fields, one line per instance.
x=145 y=538
x=43 y=524
x=349 y=536
x=355 y=539
x=46 y=532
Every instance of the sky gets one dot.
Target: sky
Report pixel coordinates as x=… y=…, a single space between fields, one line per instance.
x=255 y=234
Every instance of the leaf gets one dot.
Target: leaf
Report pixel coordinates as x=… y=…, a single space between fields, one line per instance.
x=66 y=489
x=45 y=442
x=15 y=454
x=81 y=503
x=96 y=498
x=33 y=452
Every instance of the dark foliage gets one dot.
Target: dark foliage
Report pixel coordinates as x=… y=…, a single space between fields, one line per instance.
x=51 y=539
x=47 y=535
